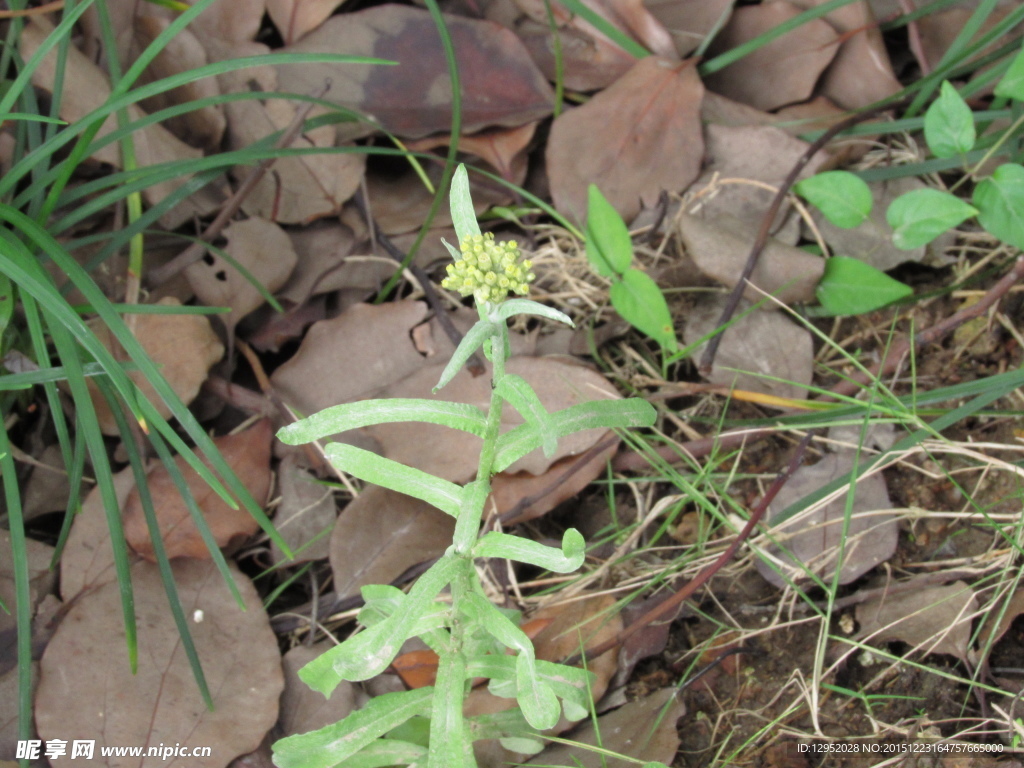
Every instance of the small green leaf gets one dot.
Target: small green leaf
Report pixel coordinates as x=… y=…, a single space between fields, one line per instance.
x=520 y=395
x=364 y=413
x=609 y=247
x=949 y=124
x=920 y=216
x=1000 y=201
x=387 y=752
x=495 y=544
x=640 y=302
x=537 y=700
x=607 y=414
x=1012 y=84
x=523 y=744
x=478 y=334
x=463 y=215
x=844 y=198
x=851 y=287
x=330 y=745
x=391 y=474
x=369 y=653
x=512 y=307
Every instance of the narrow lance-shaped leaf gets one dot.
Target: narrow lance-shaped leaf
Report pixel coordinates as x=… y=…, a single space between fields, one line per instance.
x=463 y=215
x=448 y=737
x=512 y=307
x=384 y=753
x=364 y=413
x=568 y=683
x=467 y=527
x=609 y=247
x=609 y=414
x=330 y=745
x=566 y=560
x=390 y=474
x=478 y=334
x=521 y=396
x=369 y=653
x=641 y=303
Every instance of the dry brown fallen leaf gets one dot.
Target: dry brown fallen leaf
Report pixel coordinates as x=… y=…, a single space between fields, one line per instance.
x=296 y=18
x=936 y=619
x=399 y=203
x=263 y=249
x=48 y=488
x=87 y=689
x=248 y=454
x=501 y=147
x=745 y=166
x=812 y=541
x=590 y=60
x=87 y=88
x=644 y=730
x=88 y=559
x=183 y=346
x=634 y=140
x=781 y=72
x=414 y=98
x=381 y=534
x=760 y=352
x=720 y=245
x=522 y=496
x=306 y=514
x=302 y=708
x=41 y=581
x=861 y=73
x=301 y=188
x=688 y=21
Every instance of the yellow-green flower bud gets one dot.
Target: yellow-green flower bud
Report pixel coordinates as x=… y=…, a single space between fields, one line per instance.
x=488 y=270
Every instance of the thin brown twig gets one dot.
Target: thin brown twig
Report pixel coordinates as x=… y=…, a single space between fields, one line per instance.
x=667 y=607
x=766 y=224
x=194 y=252
x=38 y=11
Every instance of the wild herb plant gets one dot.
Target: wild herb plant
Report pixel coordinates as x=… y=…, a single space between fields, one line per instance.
x=469 y=634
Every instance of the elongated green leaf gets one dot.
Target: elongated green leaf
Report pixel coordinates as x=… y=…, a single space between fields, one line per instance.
x=448 y=737
x=609 y=247
x=520 y=395
x=640 y=302
x=1012 y=84
x=339 y=418
x=328 y=746
x=496 y=624
x=852 y=287
x=844 y=199
x=568 y=683
x=390 y=474
x=467 y=527
x=369 y=653
x=566 y=560
x=386 y=752
x=920 y=216
x=1000 y=201
x=538 y=701
x=949 y=124
x=383 y=600
x=609 y=414
x=463 y=215
x=478 y=334
x=512 y=307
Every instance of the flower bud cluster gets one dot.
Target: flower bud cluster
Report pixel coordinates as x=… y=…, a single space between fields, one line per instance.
x=488 y=270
